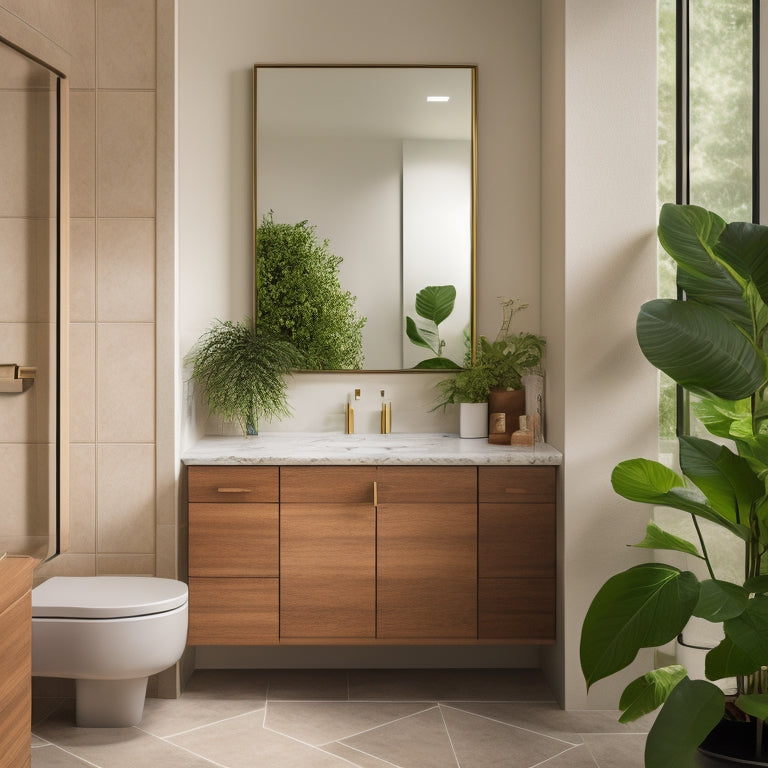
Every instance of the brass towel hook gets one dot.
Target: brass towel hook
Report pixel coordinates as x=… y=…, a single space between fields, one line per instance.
x=16 y=378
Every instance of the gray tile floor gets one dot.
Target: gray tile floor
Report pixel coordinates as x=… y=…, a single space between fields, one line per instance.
x=340 y=718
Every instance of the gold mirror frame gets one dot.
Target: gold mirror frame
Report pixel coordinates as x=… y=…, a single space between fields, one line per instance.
x=472 y=267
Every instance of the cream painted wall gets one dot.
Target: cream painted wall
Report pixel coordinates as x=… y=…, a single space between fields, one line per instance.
x=218 y=45
x=598 y=266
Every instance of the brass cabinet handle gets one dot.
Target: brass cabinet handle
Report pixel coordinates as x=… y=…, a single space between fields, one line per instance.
x=233 y=490
x=375 y=494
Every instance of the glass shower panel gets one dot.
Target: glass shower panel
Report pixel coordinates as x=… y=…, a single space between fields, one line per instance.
x=28 y=306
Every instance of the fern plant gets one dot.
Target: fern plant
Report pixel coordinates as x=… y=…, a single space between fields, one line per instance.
x=242 y=371
x=300 y=298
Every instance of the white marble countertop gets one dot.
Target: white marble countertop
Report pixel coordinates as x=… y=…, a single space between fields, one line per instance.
x=336 y=448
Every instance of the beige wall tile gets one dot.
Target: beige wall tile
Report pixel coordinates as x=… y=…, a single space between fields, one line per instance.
x=165 y=547
x=66 y=565
x=126 y=43
x=24 y=256
x=82 y=498
x=126 y=499
x=126 y=270
x=126 y=382
x=82 y=270
x=82 y=153
x=79 y=38
x=125 y=565
x=82 y=390
x=19 y=477
x=126 y=150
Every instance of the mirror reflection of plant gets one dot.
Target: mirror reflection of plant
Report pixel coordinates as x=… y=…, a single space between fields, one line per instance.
x=242 y=370
x=300 y=298
x=433 y=304
x=714 y=345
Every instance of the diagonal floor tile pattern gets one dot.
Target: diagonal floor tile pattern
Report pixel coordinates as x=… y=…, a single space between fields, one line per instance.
x=346 y=719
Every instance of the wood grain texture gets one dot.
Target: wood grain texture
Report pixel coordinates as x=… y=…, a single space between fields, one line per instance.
x=327 y=570
x=233 y=484
x=233 y=540
x=16 y=660
x=427 y=570
x=516 y=540
x=427 y=485
x=325 y=484
x=233 y=611
x=517 y=609
x=517 y=484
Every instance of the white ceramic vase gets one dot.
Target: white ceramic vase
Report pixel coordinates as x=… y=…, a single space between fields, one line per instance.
x=473 y=419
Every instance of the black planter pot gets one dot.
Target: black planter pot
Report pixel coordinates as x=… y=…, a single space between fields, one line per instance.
x=733 y=743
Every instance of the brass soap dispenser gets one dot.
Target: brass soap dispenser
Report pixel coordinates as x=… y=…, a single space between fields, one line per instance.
x=350 y=413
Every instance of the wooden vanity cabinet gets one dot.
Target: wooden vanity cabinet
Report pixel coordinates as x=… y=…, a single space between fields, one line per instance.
x=327 y=553
x=233 y=555
x=516 y=553
x=16 y=659
x=367 y=554
x=427 y=553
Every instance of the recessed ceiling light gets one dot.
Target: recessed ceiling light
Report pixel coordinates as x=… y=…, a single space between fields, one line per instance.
x=438 y=98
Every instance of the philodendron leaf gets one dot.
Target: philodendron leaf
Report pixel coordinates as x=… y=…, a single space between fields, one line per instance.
x=720 y=416
x=726 y=660
x=697 y=347
x=648 y=692
x=688 y=233
x=755 y=704
x=759 y=584
x=643 y=607
x=749 y=631
x=657 y=538
x=434 y=363
x=420 y=336
x=720 y=600
x=724 y=478
x=650 y=482
x=691 y=711
x=435 y=302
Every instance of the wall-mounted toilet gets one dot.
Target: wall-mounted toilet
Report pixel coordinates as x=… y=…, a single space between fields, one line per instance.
x=109 y=633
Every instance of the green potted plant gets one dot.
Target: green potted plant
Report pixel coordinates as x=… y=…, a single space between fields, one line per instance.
x=713 y=344
x=299 y=296
x=242 y=370
x=497 y=369
x=434 y=303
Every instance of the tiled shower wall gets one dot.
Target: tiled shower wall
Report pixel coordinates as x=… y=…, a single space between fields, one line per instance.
x=122 y=503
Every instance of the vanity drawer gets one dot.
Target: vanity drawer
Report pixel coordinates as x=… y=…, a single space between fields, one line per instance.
x=233 y=485
x=324 y=484
x=233 y=539
x=517 y=484
x=427 y=485
x=233 y=611
x=521 y=610
x=516 y=540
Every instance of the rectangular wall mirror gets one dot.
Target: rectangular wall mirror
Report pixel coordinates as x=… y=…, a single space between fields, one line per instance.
x=381 y=162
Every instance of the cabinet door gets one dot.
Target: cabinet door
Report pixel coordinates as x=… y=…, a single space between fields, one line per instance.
x=327 y=552
x=516 y=554
x=232 y=611
x=427 y=570
x=327 y=571
x=233 y=540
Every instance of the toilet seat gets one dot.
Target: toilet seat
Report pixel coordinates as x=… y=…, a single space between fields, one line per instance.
x=106 y=597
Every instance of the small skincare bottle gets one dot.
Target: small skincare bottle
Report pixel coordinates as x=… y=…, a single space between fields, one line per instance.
x=386 y=415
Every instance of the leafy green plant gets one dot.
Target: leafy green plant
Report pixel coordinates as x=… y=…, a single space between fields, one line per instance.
x=300 y=298
x=242 y=371
x=433 y=304
x=714 y=345
x=498 y=364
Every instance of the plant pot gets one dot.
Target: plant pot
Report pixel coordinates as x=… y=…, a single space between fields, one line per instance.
x=733 y=743
x=505 y=407
x=473 y=419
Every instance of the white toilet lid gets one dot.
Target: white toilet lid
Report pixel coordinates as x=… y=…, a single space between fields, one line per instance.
x=106 y=597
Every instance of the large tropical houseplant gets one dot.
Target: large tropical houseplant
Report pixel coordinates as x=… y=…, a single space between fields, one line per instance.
x=713 y=344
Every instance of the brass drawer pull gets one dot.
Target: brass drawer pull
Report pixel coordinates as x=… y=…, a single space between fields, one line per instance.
x=233 y=490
